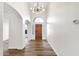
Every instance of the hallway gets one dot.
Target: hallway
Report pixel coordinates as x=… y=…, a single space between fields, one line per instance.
x=34 y=48
x=56 y=22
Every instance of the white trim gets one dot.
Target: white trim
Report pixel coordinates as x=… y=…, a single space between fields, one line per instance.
x=53 y=47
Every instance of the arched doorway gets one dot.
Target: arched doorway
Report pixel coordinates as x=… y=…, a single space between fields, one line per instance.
x=38 y=28
x=14 y=30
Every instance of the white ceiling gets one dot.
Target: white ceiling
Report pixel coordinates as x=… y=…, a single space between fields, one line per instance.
x=23 y=6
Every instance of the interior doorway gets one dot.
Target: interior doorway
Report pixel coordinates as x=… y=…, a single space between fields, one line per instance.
x=38 y=32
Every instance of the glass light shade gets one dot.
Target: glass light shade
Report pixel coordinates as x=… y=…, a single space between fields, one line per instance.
x=37 y=8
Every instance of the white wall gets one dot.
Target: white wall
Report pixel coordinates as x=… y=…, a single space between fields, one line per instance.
x=28 y=28
x=5 y=30
x=25 y=36
x=15 y=27
x=63 y=34
x=5 y=26
x=1 y=29
x=17 y=24
x=22 y=9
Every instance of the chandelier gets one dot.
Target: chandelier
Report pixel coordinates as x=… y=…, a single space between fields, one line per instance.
x=37 y=8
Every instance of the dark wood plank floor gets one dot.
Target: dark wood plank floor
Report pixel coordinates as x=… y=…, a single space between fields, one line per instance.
x=34 y=48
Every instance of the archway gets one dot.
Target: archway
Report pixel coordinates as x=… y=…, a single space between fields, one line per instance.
x=14 y=21
x=38 y=28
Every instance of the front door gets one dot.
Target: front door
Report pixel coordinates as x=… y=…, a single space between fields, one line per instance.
x=38 y=32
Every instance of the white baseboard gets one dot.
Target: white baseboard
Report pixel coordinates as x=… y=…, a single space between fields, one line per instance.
x=53 y=47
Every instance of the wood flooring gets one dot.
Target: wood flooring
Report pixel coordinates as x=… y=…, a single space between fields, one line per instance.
x=34 y=48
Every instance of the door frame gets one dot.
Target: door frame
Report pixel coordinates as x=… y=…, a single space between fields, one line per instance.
x=41 y=32
x=43 y=26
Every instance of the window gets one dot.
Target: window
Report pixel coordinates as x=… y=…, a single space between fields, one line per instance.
x=39 y=20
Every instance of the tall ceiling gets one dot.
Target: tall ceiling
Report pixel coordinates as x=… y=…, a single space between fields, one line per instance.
x=23 y=8
x=42 y=14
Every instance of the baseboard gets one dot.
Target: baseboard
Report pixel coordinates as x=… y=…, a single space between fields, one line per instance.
x=53 y=47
